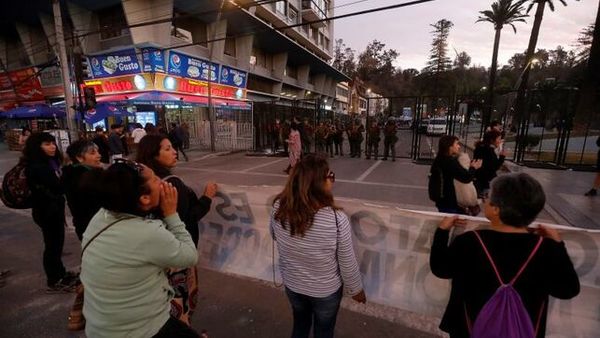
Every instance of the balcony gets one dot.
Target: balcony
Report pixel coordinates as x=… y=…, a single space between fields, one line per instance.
x=312 y=12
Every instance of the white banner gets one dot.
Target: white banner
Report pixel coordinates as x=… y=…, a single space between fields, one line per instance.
x=392 y=246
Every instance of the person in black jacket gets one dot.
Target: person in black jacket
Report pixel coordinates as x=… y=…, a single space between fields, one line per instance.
x=102 y=142
x=43 y=170
x=157 y=152
x=514 y=202
x=446 y=165
x=491 y=162
x=82 y=202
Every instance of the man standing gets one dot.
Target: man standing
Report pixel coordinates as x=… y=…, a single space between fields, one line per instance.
x=389 y=140
x=115 y=144
x=176 y=136
x=373 y=141
x=338 y=139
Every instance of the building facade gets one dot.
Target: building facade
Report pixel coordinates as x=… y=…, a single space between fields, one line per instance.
x=180 y=60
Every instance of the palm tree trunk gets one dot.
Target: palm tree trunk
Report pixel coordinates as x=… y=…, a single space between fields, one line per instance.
x=594 y=61
x=588 y=97
x=520 y=100
x=493 y=71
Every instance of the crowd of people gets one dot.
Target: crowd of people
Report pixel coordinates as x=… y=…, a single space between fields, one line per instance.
x=138 y=226
x=297 y=138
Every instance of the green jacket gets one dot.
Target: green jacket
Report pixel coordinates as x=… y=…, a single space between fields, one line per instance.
x=127 y=293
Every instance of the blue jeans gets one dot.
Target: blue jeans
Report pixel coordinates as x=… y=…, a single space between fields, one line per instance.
x=322 y=310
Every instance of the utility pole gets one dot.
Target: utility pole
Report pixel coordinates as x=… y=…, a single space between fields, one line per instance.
x=64 y=66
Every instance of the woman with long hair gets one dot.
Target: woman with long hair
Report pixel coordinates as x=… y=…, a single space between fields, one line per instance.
x=314 y=240
x=125 y=254
x=157 y=152
x=444 y=170
x=43 y=162
x=294 y=145
x=490 y=161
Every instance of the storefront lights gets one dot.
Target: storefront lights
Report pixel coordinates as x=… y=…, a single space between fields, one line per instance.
x=140 y=82
x=239 y=93
x=169 y=83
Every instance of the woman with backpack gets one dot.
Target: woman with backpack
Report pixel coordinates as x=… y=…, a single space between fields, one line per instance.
x=43 y=161
x=314 y=241
x=157 y=152
x=444 y=170
x=490 y=161
x=507 y=261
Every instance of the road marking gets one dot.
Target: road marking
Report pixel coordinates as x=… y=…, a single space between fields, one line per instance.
x=239 y=172
x=264 y=165
x=368 y=171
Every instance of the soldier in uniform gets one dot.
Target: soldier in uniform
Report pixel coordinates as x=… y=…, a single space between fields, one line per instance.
x=320 y=135
x=308 y=136
x=389 y=140
x=329 y=138
x=338 y=139
x=373 y=139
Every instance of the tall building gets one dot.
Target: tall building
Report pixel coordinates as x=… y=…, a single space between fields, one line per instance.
x=170 y=60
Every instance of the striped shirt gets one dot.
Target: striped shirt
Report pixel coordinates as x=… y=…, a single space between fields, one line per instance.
x=319 y=263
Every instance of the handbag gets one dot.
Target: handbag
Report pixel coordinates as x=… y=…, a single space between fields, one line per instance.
x=466 y=194
x=76 y=320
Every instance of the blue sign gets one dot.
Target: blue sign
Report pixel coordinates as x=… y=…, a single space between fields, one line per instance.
x=118 y=63
x=233 y=77
x=189 y=67
x=153 y=59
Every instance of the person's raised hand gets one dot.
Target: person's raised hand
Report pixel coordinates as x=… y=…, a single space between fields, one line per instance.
x=210 y=190
x=476 y=164
x=168 y=199
x=448 y=223
x=547 y=232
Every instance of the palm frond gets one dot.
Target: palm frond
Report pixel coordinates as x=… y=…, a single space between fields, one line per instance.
x=550 y=5
x=530 y=7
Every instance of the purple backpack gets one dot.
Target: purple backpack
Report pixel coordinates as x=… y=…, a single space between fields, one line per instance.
x=504 y=315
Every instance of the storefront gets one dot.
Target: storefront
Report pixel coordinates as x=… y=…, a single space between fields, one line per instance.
x=179 y=92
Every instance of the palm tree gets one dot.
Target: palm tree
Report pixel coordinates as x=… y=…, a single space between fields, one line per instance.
x=503 y=12
x=535 y=32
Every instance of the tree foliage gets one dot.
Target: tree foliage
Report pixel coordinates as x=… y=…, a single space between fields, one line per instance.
x=439 y=61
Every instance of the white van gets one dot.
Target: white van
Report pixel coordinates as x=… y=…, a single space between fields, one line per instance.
x=437 y=126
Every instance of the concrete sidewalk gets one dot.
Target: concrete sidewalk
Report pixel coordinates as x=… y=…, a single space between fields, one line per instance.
x=228 y=306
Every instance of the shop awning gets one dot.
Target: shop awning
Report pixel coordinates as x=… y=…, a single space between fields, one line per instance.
x=104 y=110
x=37 y=111
x=164 y=98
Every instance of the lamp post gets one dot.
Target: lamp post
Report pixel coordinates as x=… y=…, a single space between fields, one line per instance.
x=367 y=120
x=521 y=86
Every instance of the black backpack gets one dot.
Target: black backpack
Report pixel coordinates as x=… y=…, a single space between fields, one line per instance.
x=15 y=192
x=436 y=183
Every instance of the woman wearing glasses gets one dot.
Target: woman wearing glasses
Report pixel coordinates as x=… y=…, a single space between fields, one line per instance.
x=314 y=241
x=125 y=256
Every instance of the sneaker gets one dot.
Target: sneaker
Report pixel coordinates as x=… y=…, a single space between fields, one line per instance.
x=62 y=286
x=592 y=192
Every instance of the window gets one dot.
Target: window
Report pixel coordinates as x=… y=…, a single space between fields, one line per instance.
x=305 y=28
x=326 y=43
x=293 y=14
x=230 y=46
x=182 y=34
x=315 y=34
x=111 y=21
x=281 y=7
x=321 y=39
x=260 y=58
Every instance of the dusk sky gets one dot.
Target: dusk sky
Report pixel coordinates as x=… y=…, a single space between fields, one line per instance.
x=407 y=29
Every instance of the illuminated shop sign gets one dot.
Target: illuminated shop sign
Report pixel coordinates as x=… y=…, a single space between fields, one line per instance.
x=153 y=59
x=197 y=69
x=115 y=64
x=189 y=86
x=120 y=84
x=233 y=77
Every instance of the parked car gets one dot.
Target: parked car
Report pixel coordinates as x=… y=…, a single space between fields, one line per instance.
x=437 y=126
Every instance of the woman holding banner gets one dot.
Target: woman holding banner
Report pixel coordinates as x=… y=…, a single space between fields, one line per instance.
x=314 y=241
x=483 y=263
x=156 y=152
